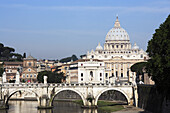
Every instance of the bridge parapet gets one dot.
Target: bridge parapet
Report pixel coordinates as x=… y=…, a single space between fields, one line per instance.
x=22 y=85
x=65 y=85
x=90 y=84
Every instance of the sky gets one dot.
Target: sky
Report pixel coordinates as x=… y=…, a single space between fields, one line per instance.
x=54 y=29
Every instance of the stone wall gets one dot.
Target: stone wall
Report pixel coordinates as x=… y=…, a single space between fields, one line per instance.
x=113 y=96
x=150 y=100
x=67 y=95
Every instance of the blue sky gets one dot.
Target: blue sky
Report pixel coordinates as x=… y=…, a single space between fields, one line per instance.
x=53 y=29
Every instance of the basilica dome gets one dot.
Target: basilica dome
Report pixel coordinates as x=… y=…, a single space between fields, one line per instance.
x=117 y=33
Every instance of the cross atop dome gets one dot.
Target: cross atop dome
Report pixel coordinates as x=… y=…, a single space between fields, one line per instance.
x=117 y=23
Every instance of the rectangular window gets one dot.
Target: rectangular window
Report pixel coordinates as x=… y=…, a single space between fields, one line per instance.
x=106 y=75
x=81 y=79
x=128 y=72
x=29 y=64
x=35 y=75
x=100 y=74
x=116 y=73
x=121 y=74
x=100 y=79
x=81 y=74
x=112 y=74
x=30 y=75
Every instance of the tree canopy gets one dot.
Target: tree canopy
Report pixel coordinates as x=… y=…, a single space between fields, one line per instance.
x=52 y=77
x=138 y=67
x=7 y=54
x=68 y=59
x=159 y=52
x=1 y=70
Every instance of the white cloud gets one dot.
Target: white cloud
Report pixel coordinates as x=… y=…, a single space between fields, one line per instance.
x=156 y=9
x=55 y=32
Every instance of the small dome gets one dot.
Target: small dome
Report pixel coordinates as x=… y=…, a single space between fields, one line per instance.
x=117 y=33
x=135 y=47
x=30 y=57
x=99 y=47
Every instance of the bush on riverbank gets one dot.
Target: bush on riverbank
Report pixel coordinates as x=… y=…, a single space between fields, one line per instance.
x=106 y=106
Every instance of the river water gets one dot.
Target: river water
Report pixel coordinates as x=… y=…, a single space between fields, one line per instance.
x=59 y=107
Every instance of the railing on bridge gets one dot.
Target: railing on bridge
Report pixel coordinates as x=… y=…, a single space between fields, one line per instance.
x=64 y=84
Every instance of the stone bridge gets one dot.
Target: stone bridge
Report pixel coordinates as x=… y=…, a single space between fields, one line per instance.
x=45 y=93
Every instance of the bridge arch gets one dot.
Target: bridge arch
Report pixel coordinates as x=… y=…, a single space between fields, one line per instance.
x=20 y=90
x=68 y=89
x=109 y=89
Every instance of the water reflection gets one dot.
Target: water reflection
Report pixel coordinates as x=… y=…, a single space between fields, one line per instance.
x=59 y=107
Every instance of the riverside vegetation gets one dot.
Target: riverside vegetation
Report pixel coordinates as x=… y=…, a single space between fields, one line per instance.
x=106 y=106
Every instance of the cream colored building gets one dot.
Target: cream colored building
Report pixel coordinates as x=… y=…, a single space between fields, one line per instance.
x=118 y=55
x=29 y=73
x=85 y=71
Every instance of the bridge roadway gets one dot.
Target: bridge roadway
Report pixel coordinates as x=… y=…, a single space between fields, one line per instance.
x=45 y=93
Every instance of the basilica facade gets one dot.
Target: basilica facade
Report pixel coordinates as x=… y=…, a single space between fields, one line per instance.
x=118 y=55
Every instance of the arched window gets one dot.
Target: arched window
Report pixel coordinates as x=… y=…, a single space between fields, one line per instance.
x=92 y=56
x=112 y=46
x=29 y=64
x=141 y=55
x=91 y=73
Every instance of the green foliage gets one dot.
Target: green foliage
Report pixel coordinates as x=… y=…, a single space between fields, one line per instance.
x=80 y=102
x=11 y=81
x=159 y=52
x=24 y=55
x=138 y=67
x=1 y=70
x=52 y=77
x=81 y=56
x=23 y=80
x=110 y=109
x=68 y=59
x=7 y=54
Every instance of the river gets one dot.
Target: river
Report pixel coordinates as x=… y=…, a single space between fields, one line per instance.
x=59 y=107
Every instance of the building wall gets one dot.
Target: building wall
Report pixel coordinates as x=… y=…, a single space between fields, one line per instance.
x=11 y=69
x=29 y=70
x=91 y=72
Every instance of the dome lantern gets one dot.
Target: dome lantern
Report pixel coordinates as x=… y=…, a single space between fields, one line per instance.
x=117 y=23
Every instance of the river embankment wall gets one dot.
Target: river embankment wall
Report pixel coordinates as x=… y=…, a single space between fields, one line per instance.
x=151 y=100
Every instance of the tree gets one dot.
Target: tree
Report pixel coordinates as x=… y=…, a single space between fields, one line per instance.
x=7 y=54
x=24 y=55
x=138 y=67
x=68 y=59
x=158 y=65
x=52 y=77
x=81 y=56
x=1 y=70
